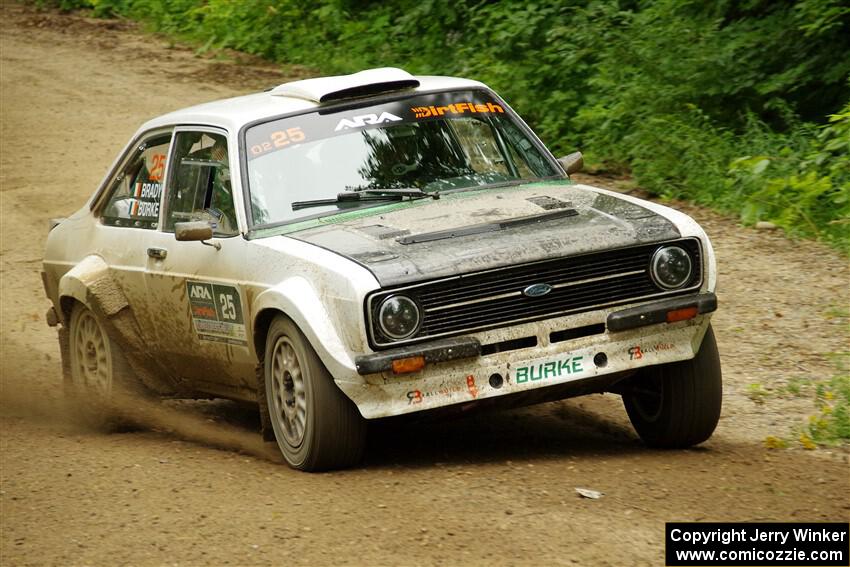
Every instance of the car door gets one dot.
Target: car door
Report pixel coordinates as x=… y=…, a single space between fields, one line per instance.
x=202 y=331
x=129 y=218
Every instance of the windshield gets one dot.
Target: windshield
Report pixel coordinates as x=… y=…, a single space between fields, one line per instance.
x=435 y=142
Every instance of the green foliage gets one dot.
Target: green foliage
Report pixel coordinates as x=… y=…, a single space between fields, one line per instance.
x=832 y=422
x=804 y=190
x=63 y=5
x=677 y=91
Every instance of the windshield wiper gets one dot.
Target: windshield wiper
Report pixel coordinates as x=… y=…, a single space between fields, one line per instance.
x=367 y=195
x=403 y=191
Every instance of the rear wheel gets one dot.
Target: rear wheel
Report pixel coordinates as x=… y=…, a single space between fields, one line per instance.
x=97 y=375
x=678 y=405
x=316 y=426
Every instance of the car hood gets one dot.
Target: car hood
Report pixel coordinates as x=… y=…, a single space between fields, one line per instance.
x=474 y=231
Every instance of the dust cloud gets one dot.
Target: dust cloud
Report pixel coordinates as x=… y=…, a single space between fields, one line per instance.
x=187 y=420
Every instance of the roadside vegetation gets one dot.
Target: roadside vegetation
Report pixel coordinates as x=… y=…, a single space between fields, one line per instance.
x=829 y=425
x=743 y=106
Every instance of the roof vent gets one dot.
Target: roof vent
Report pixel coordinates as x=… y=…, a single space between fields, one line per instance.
x=364 y=83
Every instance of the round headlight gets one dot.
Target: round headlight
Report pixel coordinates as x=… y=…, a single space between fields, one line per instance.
x=398 y=317
x=671 y=267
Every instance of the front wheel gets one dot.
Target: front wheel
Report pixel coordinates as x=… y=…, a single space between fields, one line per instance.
x=316 y=426
x=678 y=405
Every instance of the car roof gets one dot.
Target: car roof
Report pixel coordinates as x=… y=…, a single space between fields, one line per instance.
x=233 y=113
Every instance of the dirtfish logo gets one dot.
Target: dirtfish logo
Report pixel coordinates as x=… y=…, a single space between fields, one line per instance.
x=366 y=119
x=456 y=108
x=546 y=370
x=200 y=292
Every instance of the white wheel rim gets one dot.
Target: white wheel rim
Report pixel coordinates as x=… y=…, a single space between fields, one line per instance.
x=289 y=396
x=92 y=365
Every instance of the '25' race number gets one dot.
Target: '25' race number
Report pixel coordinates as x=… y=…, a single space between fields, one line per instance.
x=279 y=139
x=228 y=308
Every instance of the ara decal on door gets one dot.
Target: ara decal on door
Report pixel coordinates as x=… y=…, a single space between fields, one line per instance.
x=217 y=312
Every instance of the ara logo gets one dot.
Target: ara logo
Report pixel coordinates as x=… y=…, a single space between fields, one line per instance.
x=537 y=290
x=200 y=292
x=366 y=119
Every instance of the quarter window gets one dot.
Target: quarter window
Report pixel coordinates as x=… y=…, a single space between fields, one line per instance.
x=135 y=192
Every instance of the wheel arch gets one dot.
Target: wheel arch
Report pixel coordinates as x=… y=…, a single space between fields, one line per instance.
x=298 y=300
x=91 y=284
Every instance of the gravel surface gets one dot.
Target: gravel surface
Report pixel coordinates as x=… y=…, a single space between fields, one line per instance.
x=195 y=485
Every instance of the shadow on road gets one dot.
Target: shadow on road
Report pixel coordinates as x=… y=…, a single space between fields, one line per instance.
x=547 y=431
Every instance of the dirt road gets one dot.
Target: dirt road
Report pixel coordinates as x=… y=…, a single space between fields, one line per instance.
x=491 y=489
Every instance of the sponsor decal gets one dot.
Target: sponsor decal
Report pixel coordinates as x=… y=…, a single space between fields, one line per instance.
x=568 y=366
x=455 y=109
x=365 y=120
x=470 y=385
x=270 y=137
x=417 y=396
x=636 y=352
x=216 y=311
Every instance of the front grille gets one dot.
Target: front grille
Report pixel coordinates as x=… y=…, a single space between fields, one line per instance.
x=494 y=298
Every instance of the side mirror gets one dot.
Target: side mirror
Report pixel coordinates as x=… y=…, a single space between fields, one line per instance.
x=195 y=231
x=572 y=163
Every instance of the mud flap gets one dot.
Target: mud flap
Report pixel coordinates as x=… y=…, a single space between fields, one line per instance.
x=124 y=331
x=262 y=401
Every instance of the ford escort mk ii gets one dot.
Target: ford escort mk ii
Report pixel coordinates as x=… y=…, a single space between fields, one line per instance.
x=343 y=249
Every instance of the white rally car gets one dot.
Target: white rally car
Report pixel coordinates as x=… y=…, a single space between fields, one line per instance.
x=348 y=248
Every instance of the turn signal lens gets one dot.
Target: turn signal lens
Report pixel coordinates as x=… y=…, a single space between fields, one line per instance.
x=682 y=314
x=405 y=365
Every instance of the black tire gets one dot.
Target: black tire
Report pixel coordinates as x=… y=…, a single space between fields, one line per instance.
x=99 y=383
x=316 y=426
x=678 y=405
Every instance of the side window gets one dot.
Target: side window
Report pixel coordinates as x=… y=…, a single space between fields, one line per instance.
x=199 y=188
x=136 y=190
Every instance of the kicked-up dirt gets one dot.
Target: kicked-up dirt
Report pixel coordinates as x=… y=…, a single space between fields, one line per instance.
x=195 y=484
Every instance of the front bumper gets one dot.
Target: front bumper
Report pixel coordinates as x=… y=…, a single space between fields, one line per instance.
x=640 y=341
x=666 y=311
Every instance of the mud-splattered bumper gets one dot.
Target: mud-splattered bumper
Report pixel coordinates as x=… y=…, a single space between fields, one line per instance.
x=440 y=384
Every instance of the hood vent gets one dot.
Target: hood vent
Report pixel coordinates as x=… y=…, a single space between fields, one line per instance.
x=382 y=232
x=549 y=203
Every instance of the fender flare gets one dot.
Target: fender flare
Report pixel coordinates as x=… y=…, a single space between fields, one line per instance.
x=296 y=298
x=90 y=283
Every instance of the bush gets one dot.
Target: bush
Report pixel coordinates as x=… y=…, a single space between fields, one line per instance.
x=718 y=102
x=806 y=191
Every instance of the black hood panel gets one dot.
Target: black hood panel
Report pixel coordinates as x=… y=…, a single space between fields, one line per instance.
x=378 y=242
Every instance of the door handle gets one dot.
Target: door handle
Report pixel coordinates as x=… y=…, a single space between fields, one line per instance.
x=157 y=253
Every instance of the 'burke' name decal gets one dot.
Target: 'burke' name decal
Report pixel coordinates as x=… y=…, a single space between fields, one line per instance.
x=547 y=370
